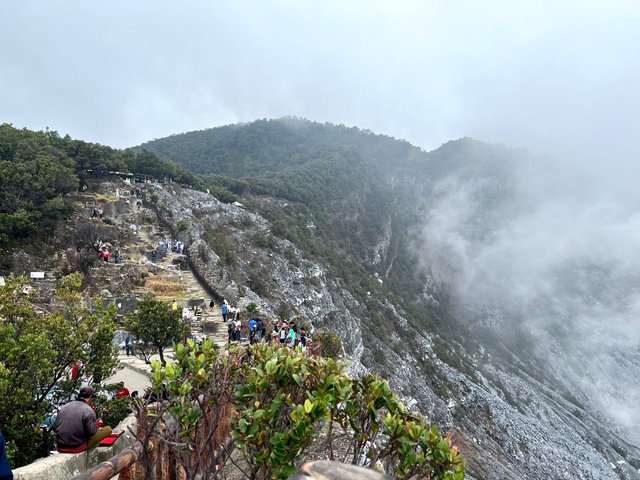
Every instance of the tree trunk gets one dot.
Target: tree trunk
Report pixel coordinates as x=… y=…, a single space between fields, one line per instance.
x=161 y=353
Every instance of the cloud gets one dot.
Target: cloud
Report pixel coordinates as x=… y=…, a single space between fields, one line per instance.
x=559 y=77
x=561 y=263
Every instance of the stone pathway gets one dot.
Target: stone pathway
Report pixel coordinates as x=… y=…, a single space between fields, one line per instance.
x=210 y=324
x=172 y=282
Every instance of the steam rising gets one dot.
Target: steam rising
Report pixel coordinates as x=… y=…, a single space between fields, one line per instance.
x=561 y=262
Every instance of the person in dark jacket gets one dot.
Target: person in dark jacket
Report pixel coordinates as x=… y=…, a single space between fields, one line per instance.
x=5 y=468
x=76 y=425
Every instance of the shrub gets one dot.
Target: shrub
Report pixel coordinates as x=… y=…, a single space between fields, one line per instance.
x=157 y=325
x=252 y=308
x=113 y=410
x=330 y=344
x=282 y=398
x=182 y=226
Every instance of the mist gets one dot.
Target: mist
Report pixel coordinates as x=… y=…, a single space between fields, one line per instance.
x=554 y=253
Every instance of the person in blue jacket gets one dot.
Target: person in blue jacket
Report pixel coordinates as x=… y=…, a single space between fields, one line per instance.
x=225 y=310
x=5 y=468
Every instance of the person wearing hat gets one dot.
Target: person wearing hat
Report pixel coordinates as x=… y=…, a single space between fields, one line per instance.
x=76 y=425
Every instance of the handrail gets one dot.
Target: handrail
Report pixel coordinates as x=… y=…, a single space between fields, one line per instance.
x=110 y=468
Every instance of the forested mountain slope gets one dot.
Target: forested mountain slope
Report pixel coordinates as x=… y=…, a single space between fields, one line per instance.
x=37 y=170
x=427 y=246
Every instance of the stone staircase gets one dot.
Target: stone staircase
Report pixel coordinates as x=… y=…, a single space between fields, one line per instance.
x=189 y=290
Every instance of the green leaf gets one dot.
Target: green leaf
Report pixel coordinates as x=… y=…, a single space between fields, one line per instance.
x=308 y=406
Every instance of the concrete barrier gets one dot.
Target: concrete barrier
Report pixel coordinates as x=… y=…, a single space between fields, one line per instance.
x=65 y=466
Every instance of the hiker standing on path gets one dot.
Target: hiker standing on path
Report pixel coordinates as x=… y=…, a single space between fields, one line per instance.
x=283 y=333
x=292 y=336
x=303 y=339
x=231 y=331
x=225 y=310
x=261 y=330
x=238 y=332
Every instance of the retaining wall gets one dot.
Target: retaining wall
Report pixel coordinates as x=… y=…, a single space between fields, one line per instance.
x=64 y=466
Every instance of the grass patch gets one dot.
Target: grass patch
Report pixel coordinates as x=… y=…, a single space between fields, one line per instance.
x=101 y=197
x=164 y=287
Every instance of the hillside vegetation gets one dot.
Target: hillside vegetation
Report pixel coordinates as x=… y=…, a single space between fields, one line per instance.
x=37 y=169
x=346 y=196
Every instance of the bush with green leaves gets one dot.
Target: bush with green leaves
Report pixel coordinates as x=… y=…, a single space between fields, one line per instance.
x=198 y=399
x=283 y=402
x=252 y=308
x=330 y=344
x=112 y=410
x=182 y=226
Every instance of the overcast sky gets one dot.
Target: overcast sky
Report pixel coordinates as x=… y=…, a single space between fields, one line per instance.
x=559 y=77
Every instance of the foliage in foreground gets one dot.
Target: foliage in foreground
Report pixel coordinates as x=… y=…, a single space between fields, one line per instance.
x=37 y=353
x=279 y=402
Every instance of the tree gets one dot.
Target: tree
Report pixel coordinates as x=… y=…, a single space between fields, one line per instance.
x=37 y=353
x=157 y=325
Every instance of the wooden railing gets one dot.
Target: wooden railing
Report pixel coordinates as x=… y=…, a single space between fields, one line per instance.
x=120 y=464
x=155 y=459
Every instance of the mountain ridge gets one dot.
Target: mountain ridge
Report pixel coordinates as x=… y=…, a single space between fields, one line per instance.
x=386 y=251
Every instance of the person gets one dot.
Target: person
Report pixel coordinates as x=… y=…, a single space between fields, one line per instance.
x=283 y=333
x=260 y=328
x=212 y=304
x=303 y=339
x=153 y=395
x=230 y=330
x=123 y=391
x=5 y=468
x=106 y=255
x=75 y=372
x=292 y=336
x=175 y=306
x=128 y=345
x=275 y=333
x=238 y=325
x=225 y=310
x=76 y=426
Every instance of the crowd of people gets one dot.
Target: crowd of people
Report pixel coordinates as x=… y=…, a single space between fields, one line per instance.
x=104 y=251
x=97 y=213
x=285 y=333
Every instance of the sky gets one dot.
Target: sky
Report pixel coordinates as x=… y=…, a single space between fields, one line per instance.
x=558 y=77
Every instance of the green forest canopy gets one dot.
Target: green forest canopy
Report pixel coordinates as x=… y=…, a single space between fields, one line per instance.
x=37 y=170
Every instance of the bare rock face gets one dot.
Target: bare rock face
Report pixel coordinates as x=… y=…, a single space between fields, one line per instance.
x=326 y=470
x=508 y=423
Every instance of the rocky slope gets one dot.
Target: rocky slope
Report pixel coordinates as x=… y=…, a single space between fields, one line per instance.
x=510 y=422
